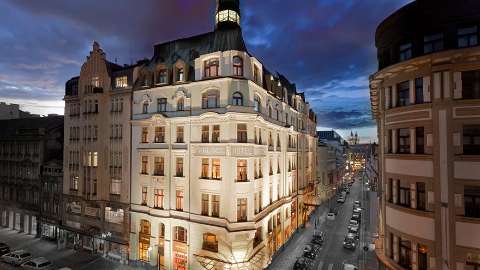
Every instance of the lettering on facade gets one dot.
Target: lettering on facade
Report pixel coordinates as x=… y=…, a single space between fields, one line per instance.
x=242 y=151
x=210 y=151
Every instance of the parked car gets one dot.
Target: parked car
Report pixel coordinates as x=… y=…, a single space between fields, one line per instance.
x=347 y=266
x=349 y=243
x=318 y=238
x=357 y=217
x=356 y=204
x=341 y=199
x=331 y=216
x=4 y=250
x=39 y=264
x=353 y=236
x=303 y=263
x=357 y=210
x=17 y=257
x=353 y=230
x=353 y=224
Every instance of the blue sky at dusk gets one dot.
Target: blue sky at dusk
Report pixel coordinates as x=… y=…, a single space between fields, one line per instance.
x=326 y=47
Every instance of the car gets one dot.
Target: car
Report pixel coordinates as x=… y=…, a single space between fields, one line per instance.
x=303 y=263
x=318 y=238
x=331 y=216
x=353 y=230
x=357 y=217
x=4 y=250
x=17 y=257
x=353 y=224
x=341 y=199
x=356 y=204
x=347 y=266
x=349 y=243
x=357 y=210
x=353 y=236
x=39 y=263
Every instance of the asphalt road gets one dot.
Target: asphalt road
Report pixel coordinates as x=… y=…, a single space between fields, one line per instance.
x=333 y=254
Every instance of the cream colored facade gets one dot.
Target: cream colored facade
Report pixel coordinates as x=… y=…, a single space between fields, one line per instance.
x=184 y=229
x=424 y=177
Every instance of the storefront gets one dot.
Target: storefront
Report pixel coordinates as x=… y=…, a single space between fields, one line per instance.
x=180 y=256
x=144 y=241
x=49 y=231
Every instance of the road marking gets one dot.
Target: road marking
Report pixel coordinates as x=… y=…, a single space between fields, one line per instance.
x=320 y=266
x=330 y=267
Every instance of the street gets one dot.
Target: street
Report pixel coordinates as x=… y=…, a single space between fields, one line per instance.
x=333 y=254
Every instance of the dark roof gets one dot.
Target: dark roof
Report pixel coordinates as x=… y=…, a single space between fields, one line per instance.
x=11 y=129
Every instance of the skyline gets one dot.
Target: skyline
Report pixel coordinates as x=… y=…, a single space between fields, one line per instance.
x=43 y=45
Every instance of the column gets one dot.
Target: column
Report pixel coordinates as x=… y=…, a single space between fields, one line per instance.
x=414 y=256
x=396 y=251
x=395 y=191
x=394 y=141
x=413 y=142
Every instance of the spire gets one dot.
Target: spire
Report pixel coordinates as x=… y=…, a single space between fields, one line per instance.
x=227 y=14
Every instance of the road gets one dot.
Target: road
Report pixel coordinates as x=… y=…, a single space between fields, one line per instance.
x=333 y=254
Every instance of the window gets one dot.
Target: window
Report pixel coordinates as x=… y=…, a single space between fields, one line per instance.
x=242 y=133
x=180 y=104
x=211 y=68
x=403 y=94
x=159 y=166
x=180 y=135
x=419 y=91
x=145 y=107
x=237 y=66
x=405 y=254
x=158 y=198
x=162 y=77
x=237 y=99
x=278 y=142
x=404 y=141
x=270 y=111
x=161 y=104
x=144 y=165
x=179 y=200
x=180 y=234
x=205 y=204
x=271 y=168
x=467 y=37
x=419 y=140
x=74 y=185
x=115 y=186
x=257 y=104
x=472 y=201
x=210 y=242
x=180 y=75
x=421 y=198
x=433 y=43
x=95 y=82
x=145 y=135
x=205 y=134
x=216 y=134
x=205 y=167
x=242 y=210
x=471 y=84
x=210 y=100
x=144 y=195
x=255 y=169
x=215 y=205
x=159 y=134
x=256 y=74
x=404 y=196
x=179 y=167
x=241 y=170
x=405 y=51
x=216 y=169
x=260 y=169
x=121 y=82
x=471 y=140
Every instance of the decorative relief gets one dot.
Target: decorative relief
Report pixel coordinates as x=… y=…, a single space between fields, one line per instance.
x=260 y=151
x=209 y=151
x=242 y=151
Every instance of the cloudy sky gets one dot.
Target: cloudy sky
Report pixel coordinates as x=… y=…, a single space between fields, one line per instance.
x=325 y=46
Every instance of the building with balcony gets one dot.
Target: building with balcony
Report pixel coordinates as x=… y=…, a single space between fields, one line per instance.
x=426 y=100
x=96 y=160
x=223 y=154
x=26 y=146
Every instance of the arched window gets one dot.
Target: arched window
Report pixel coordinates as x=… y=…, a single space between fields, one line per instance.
x=257 y=105
x=180 y=234
x=211 y=68
x=210 y=99
x=237 y=99
x=145 y=107
x=237 y=66
x=210 y=242
x=180 y=104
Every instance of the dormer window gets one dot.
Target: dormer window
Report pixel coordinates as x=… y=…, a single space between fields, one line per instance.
x=162 y=77
x=122 y=81
x=211 y=68
x=228 y=16
x=237 y=66
x=180 y=75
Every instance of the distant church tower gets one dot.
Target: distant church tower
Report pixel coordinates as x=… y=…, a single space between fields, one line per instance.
x=227 y=14
x=353 y=138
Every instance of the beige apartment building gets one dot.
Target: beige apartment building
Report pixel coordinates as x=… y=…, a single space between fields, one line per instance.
x=223 y=154
x=96 y=164
x=426 y=100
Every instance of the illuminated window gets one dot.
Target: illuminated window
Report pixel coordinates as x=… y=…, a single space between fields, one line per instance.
x=211 y=68
x=179 y=167
x=115 y=186
x=242 y=133
x=144 y=195
x=237 y=66
x=205 y=204
x=159 y=166
x=180 y=234
x=210 y=242
x=216 y=169
x=205 y=167
x=205 y=134
x=95 y=81
x=242 y=170
x=145 y=135
x=121 y=82
x=158 y=198
x=159 y=134
x=144 y=165
x=179 y=200
x=215 y=205
x=242 y=210
x=216 y=134
x=180 y=75
x=180 y=135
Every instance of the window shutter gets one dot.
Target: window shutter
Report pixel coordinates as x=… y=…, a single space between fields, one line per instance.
x=426 y=89
x=457 y=85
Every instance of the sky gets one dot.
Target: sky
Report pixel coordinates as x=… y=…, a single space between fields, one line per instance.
x=326 y=47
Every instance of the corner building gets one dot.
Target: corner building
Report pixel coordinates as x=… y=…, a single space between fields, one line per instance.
x=223 y=154
x=426 y=100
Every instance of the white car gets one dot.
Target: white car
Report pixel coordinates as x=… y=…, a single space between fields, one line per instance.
x=356 y=204
x=341 y=199
x=38 y=263
x=347 y=266
x=353 y=224
x=331 y=216
x=17 y=257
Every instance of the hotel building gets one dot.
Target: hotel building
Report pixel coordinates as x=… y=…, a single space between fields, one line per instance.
x=426 y=100
x=223 y=154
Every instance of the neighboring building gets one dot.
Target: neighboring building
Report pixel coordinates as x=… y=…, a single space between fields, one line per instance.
x=326 y=171
x=26 y=146
x=426 y=100
x=339 y=146
x=12 y=111
x=51 y=176
x=96 y=164
x=223 y=154
x=371 y=166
